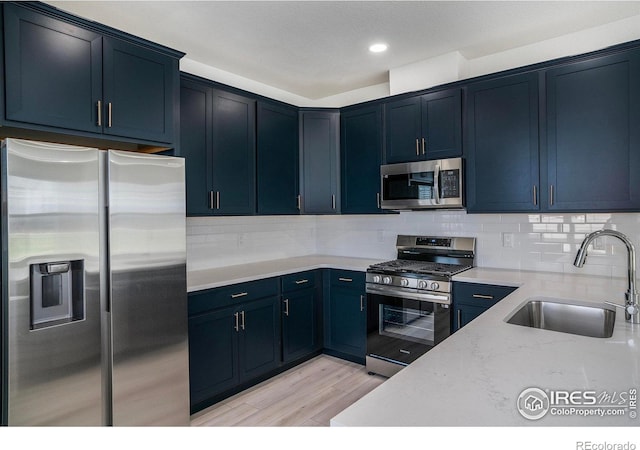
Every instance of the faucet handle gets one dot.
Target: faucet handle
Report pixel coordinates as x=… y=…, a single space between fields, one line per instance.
x=630 y=309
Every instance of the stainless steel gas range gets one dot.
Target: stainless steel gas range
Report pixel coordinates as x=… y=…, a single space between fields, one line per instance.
x=409 y=299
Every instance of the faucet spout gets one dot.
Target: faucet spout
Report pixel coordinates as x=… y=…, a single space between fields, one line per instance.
x=632 y=310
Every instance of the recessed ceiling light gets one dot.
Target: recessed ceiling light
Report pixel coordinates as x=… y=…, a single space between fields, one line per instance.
x=378 y=48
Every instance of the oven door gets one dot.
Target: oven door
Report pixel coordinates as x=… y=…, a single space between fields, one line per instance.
x=400 y=330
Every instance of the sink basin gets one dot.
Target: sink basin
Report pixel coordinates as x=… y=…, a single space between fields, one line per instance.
x=574 y=317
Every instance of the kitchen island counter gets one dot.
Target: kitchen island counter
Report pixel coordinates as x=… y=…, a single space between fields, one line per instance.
x=474 y=377
x=241 y=273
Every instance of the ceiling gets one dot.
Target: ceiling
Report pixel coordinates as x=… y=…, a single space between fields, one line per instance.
x=316 y=49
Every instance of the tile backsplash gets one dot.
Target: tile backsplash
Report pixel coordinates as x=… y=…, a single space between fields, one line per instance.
x=539 y=242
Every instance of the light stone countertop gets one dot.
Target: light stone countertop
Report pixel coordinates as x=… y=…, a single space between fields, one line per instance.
x=475 y=376
x=223 y=276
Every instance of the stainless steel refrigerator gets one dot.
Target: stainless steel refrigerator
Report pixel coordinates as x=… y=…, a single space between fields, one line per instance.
x=94 y=302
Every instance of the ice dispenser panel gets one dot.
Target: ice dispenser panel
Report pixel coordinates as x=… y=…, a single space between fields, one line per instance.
x=57 y=293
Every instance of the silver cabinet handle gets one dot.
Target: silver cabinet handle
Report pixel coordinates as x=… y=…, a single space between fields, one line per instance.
x=99 y=113
x=459 y=319
x=362 y=303
x=236 y=327
x=109 y=114
x=378 y=200
x=217 y=199
x=299 y=202
x=436 y=185
x=417 y=147
x=301 y=281
x=347 y=280
x=551 y=195
x=535 y=195
x=240 y=294
x=212 y=200
x=423 y=146
x=333 y=201
x=486 y=297
x=242 y=323
x=286 y=307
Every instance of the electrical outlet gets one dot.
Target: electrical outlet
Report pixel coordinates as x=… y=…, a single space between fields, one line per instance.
x=507 y=240
x=598 y=244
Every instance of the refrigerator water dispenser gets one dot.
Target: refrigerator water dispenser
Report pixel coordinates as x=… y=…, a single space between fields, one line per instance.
x=57 y=293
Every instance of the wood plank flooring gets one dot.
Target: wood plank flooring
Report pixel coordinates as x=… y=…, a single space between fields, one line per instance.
x=307 y=395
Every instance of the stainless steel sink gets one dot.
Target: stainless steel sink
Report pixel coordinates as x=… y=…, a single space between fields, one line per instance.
x=574 y=317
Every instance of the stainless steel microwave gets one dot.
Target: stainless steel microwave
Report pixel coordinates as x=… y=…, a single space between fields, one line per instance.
x=422 y=185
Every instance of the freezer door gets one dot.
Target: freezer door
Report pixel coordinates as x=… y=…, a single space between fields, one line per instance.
x=50 y=284
x=148 y=292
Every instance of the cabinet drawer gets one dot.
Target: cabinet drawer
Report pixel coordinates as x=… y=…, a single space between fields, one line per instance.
x=477 y=294
x=300 y=280
x=202 y=301
x=348 y=278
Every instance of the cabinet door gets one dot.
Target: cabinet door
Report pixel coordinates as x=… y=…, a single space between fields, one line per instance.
x=441 y=125
x=502 y=145
x=361 y=156
x=403 y=129
x=593 y=137
x=139 y=89
x=464 y=314
x=277 y=159
x=319 y=153
x=233 y=166
x=195 y=144
x=259 y=337
x=53 y=71
x=347 y=320
x=213 y=349
x=299 y=324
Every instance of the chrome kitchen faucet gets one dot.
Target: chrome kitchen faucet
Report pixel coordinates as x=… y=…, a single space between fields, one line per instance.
x=631 y=309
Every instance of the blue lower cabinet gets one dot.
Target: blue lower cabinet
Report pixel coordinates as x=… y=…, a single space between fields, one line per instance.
x=231 y=345
x=472 y=299
x=213 y=354
x=346 y=315
x=301 y=315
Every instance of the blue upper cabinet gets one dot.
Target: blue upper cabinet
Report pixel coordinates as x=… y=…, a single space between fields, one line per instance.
x=361 y=156
x=233 y=160
x=501 y=144
x=195 y=144
x=424 y=127
x=138 y=91
x=65 y=78
x=593 y=135
x=319 y=153
x=277 y=159
x=42 y=87
x=217 y=140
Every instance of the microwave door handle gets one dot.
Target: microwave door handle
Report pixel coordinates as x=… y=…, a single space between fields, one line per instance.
x=436 y=185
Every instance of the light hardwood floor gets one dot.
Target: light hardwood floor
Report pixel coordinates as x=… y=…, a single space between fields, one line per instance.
x=307 y=395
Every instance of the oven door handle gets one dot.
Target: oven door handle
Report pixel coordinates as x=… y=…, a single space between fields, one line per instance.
x=422 y=296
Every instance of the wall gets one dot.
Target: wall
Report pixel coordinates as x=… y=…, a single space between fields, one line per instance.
x=539 y=242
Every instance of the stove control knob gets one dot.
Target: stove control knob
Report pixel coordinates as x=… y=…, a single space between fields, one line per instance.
x=435 y=286
x=376 y=279
x=422 y=284
x=404 y=282
x=386 y=280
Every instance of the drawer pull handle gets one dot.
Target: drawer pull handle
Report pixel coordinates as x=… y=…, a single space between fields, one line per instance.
x=237 y=326
x=487 y=297
x=240 y=294
x=242 y=315
x=286 y=307
x=301 y=281
x=347 y=280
